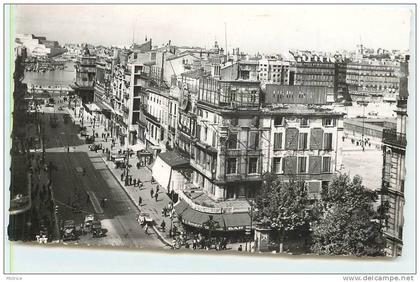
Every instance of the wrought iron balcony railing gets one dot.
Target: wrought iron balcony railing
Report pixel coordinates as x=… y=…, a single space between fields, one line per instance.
x=391 y=137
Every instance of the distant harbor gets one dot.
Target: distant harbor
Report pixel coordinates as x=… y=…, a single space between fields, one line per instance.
x=63 y=75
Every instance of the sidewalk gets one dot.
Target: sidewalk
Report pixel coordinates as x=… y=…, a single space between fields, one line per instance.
x=149 y=204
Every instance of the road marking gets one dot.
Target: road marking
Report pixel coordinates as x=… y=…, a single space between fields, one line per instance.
x=95 y=202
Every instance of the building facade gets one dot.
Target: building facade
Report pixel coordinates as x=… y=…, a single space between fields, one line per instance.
x=393 y=174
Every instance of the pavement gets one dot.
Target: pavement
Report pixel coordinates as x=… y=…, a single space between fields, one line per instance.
x=370 y=169
x=149 y=204
x=81 y=182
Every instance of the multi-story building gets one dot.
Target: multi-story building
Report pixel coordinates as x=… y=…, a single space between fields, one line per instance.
x=393 y=175
x=120 y=88
x=39 y=46
x=102 y=91
x=85 y=76
x=372 y=77
x=274 y=71
x=240 y=70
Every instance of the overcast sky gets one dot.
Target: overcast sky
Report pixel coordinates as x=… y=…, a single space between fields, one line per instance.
x=253 y=28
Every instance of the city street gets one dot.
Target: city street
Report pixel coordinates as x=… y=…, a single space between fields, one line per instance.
x=79 y=173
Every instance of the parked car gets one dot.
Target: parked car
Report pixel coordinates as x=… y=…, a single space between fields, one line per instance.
x=87 y=224
x=145 y=218
x=69 y=230
x=97 y=230
x=94 y=147
x=49 y=105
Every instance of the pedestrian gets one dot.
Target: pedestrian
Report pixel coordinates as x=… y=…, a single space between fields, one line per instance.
x=140 y=184
x=140 y=200
x=151 y=193
x=68 y=149
x=156 y=196
x=146 y=228
x=135 y=182
x=122 y=176
x=163 y=225
x=138 y=165
x=240 y=248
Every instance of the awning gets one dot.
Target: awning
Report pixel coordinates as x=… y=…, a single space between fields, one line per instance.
x=161 y=172
x=222 y=222
x=237 y=221
x=174 y=160
x=180 y=207
x=202 y=220
x=137 y=147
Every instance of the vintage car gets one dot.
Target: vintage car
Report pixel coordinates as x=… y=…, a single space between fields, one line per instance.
x=87 y=224
x=94 y=147
x=97 y=230
x=145 y=218
x=69 y=231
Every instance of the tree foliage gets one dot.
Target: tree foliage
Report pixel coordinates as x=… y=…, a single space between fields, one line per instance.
x=350 y=225
x=283 y=205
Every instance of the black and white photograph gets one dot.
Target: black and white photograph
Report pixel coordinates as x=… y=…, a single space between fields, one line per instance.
x=276 y=131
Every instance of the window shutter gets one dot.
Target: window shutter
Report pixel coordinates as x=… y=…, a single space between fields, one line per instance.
x=292 y=138
x=316 y=139
x=314 y=164
x=278 y=140
x=290 y=165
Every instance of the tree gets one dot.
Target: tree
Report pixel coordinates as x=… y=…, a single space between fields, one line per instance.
x=350 y=225
x=283 y=206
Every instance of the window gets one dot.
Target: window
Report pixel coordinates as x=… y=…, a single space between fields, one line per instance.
x=278 y=121
x=252 y=165
x=327 y=141
x=303 y=141
x=205 y=133
x=231 y=166
x=233 y=141
x=213 y=141
x=326 y=164
x=254 y=140
x=198 y=155
x=277 y=165
x=302 y=164
x=328 y=122
x=304 y=122
x=278 y=140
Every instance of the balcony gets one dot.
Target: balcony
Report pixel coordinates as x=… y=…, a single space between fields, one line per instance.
x=391 y=137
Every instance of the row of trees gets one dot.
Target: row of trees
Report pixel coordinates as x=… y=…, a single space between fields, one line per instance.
x=343 y=221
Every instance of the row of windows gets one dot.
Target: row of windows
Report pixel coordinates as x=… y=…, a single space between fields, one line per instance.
x=304 y=121
x=302 y=141
x=302 y=165
x=232 y=165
